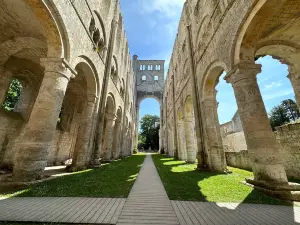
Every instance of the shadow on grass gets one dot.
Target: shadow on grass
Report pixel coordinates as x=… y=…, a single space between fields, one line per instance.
x=110 y=180
x=183 y=183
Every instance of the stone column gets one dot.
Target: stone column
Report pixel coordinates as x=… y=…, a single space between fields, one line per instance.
x=212 y=129
x=190 y=140
x=5 y=80
x=294 y=77
x=181 y=140
x=262 y=147
x=34 y=142
x=116 y=140
x=80 y=156
x=108 y=137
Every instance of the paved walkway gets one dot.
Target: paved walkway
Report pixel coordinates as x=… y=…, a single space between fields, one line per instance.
x=64 y=210
x=147 y=203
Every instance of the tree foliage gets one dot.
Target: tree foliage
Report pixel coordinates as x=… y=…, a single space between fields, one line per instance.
x=13 y=95
x=284 y=113
x=149 y=134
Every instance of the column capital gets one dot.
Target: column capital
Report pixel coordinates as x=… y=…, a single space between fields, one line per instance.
x=58 y=66
x=241 y=71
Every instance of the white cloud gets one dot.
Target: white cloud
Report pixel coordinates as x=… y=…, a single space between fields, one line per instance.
x=168 y=8
x=273 y=85
x=278 y=94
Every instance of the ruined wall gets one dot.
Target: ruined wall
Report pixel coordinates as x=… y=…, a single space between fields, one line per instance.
x=287 y=137
x=234 y=142
x=238 y=159
x=78 y=22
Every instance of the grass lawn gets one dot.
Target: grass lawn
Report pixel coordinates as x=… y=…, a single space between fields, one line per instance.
x=182 y=182
x=110 y=180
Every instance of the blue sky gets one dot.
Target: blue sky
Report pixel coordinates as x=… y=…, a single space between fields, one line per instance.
x=151 y=28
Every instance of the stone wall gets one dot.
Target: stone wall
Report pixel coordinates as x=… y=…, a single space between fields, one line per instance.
x=235 y=142
x=288 y=138
x=238 y=159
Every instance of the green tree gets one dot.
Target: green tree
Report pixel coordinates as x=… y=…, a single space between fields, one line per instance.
x=284 y=113
x=149 y=135
x=291 y=109
x=13 y=95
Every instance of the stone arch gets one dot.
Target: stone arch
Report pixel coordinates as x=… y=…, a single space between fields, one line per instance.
x=46 y=14
x=181 y=135
x=214 y=144
x=108 y=128
x=110 y=103
x=189 y=130
x=287 y=53
x=150 y=96
x=102 y=27
x=85 y=66
x=265 y=15
x=116 y=146
x=211 y=78
x=85 y=91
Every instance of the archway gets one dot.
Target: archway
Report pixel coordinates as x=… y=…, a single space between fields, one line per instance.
x=182 y=154
x=189 y=130
x=275 y=30
x=109 y=124
x=149 y=123
x=31 y=48
x=116 y=148
x=213 y=144
x=86 y=92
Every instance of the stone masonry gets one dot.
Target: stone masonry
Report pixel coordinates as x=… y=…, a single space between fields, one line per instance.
x=220 y=36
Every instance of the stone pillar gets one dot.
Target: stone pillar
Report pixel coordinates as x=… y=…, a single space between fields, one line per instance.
x=181 y=141
x=262 y=147
x=190 y=140
x=80 y=156
x=116 y=140
x=108 y=137
x=215 y=148
x=5 y=80
x=35 y=140
x=294 y=77
x=137 y=127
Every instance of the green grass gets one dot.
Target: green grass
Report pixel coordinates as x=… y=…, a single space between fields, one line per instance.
x=110 y=180
x=183 y=182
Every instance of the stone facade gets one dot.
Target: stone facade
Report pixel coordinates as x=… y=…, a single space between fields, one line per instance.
x=72 y=59
x=223 y=36
x=150 y=83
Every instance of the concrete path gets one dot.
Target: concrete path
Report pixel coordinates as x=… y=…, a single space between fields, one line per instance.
x=148 y=202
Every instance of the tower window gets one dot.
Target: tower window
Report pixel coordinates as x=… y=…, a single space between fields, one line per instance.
x=155 y=77
x=144 y=78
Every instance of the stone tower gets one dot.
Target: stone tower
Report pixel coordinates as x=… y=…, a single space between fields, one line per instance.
x=149 y=76
x=149 y=79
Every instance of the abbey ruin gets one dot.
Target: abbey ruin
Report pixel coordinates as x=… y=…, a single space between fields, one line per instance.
x=81 y=88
